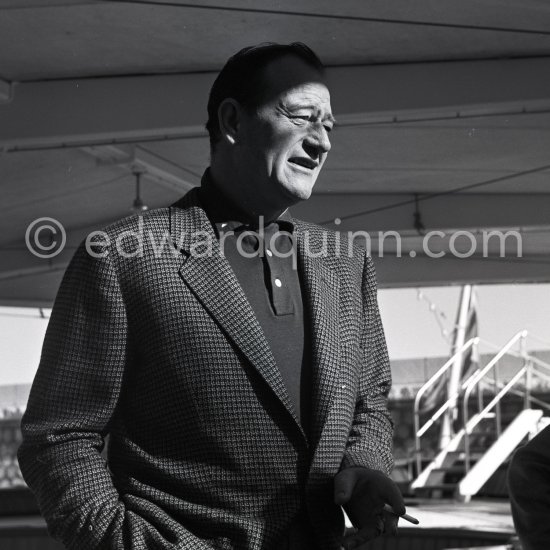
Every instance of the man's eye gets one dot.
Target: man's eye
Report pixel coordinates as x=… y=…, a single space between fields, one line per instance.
x=328 y=129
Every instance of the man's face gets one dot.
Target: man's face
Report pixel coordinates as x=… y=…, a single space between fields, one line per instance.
x=284 y=143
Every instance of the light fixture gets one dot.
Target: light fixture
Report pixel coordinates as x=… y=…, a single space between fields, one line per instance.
x=6 y=91
x=138 y=205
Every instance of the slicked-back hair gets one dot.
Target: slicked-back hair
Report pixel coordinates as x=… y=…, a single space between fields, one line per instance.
x=242 y=78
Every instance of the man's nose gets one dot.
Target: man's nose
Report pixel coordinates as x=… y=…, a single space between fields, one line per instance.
x=318 y=138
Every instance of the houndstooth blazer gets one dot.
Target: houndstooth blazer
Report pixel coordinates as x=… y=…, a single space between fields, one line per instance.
x=163 y=352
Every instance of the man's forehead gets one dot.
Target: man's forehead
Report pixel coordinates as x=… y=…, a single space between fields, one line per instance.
x=312 y=95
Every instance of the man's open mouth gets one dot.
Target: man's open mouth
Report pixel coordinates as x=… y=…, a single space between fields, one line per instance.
x=304 y=162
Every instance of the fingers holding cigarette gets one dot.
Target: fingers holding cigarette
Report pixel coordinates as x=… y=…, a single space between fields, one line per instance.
x=407 y=517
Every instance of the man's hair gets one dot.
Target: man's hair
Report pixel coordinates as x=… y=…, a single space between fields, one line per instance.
x=242 y=78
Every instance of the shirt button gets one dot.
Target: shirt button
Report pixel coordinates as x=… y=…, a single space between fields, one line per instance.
x=268 y=252
x=278 y=283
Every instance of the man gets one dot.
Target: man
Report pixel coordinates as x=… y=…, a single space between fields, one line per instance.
x=242 y=373
x=529 y=488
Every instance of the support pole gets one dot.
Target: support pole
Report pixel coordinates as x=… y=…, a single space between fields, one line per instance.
x=447 y=431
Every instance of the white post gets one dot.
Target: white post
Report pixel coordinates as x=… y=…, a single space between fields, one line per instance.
x=447 y=431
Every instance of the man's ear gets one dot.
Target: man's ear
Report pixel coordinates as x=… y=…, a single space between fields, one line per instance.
x=229 y=115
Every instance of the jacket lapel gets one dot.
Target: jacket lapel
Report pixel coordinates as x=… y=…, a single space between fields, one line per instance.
x=210 y=277
x=321 y=289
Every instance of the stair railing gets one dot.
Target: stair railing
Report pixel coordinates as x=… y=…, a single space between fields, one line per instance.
x=420 y=431
x=532 y=364
x=526 y=372
x=530 y=367
x=523 y=393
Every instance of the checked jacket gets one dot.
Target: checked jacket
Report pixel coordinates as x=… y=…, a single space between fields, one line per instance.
x=159 y=349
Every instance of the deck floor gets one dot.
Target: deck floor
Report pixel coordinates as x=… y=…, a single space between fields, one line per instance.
x=488 y=515
x=479 y=515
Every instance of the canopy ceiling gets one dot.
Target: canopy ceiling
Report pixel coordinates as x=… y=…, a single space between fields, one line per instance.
x=443 y=110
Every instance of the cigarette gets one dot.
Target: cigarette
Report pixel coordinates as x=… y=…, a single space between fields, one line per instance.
x=388 y=508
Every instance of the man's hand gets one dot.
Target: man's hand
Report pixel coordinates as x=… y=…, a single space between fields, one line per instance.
x=363 y=492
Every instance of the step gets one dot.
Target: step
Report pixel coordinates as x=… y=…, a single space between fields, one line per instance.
x=443 y=459
x=474 y=454
x=437 y=490
x=524 y=423
x=450 y=470
x=449 y=487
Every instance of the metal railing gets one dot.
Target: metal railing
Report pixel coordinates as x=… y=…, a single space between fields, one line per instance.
x=476 y=381
x=527 y=371
x=420 y=431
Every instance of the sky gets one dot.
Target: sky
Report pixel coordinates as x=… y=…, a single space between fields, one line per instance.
x=413 y=331
x=413 y=324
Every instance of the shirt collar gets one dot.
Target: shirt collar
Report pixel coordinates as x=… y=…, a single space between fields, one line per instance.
x=221 y=210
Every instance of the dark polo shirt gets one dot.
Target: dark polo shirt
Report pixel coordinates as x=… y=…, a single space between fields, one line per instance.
x=262 y=259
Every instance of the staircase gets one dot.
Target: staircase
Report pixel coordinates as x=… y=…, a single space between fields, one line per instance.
x=490 y=429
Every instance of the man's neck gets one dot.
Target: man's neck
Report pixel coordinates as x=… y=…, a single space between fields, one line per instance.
x=246 y=203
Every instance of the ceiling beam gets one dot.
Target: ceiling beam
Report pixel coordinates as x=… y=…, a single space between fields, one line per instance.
x=108 y=110
x=35 y=280
x=138 y=160
x=24 y=4
x=438 y=89
x=36 y=284
x=396 y=212
x=421 y=271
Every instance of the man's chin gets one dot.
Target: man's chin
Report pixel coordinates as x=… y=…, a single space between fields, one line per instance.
x=299 y=192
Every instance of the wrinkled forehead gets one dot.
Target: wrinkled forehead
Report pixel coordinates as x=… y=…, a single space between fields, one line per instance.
x=290 y=77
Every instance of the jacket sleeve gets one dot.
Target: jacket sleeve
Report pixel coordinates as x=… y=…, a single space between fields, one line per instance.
x=73 y=398
x=370 y=440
